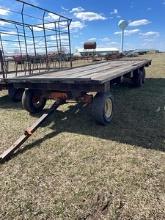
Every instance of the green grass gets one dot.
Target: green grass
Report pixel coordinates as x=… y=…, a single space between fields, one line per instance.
x=72 y=168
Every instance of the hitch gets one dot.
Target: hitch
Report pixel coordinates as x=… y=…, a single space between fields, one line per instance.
x=29 y=131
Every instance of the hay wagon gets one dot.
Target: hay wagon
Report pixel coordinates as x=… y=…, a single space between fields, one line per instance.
x=80 y=84
x=42 y=69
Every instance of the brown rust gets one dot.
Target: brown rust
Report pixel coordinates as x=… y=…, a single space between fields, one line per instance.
x=28 y=131
x=91 y=45
x=58 y=95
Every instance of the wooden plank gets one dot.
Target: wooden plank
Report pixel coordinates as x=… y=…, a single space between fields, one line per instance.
x=83 y=73
x=70 y=72
x=109 y=70
x=100 y=73
x=116 y=73
x=86 y=74
x=64 y=73
x=75 y=75
x=117 y=69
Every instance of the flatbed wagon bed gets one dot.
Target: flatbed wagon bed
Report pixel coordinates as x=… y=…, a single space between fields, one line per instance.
x=95 y=73
x=93 y=77
x=77 y=84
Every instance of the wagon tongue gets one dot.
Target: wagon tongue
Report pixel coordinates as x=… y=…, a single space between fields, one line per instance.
x=29 y=131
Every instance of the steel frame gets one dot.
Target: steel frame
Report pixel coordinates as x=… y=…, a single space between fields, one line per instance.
x=60 y=99
x=34 y=47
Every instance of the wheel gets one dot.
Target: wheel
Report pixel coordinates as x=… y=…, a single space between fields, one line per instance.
x=144 y=76
x=33 y=101
x=102 y=108
x=138 y=78
x=15 y=94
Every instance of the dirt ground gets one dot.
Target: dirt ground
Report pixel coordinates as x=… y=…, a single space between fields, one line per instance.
x=72 y=168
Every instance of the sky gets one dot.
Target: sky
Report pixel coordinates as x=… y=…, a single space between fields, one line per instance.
x=98 y=21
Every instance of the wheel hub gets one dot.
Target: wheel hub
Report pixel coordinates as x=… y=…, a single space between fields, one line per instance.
x=108 y=108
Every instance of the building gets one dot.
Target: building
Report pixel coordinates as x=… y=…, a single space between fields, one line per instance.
x=98 y=51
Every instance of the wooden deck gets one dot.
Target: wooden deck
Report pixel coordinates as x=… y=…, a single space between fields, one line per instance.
x=100 y=73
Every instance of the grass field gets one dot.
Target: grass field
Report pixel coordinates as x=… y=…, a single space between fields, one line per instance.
x=73 y=168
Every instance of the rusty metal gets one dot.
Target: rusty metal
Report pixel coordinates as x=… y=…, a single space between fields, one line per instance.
x=87 y=99
x=41 y=42
x=91 y=45
x=58 y=95
x=29 y=131
x=90 y=49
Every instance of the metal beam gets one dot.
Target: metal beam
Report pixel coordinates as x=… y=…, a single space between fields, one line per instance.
x=42 y=9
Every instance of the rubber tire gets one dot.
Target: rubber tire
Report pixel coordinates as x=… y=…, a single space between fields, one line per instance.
x=27 y=102
x=15 y=94
x=144 y=76
x=138 y=78
x=98 y=105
